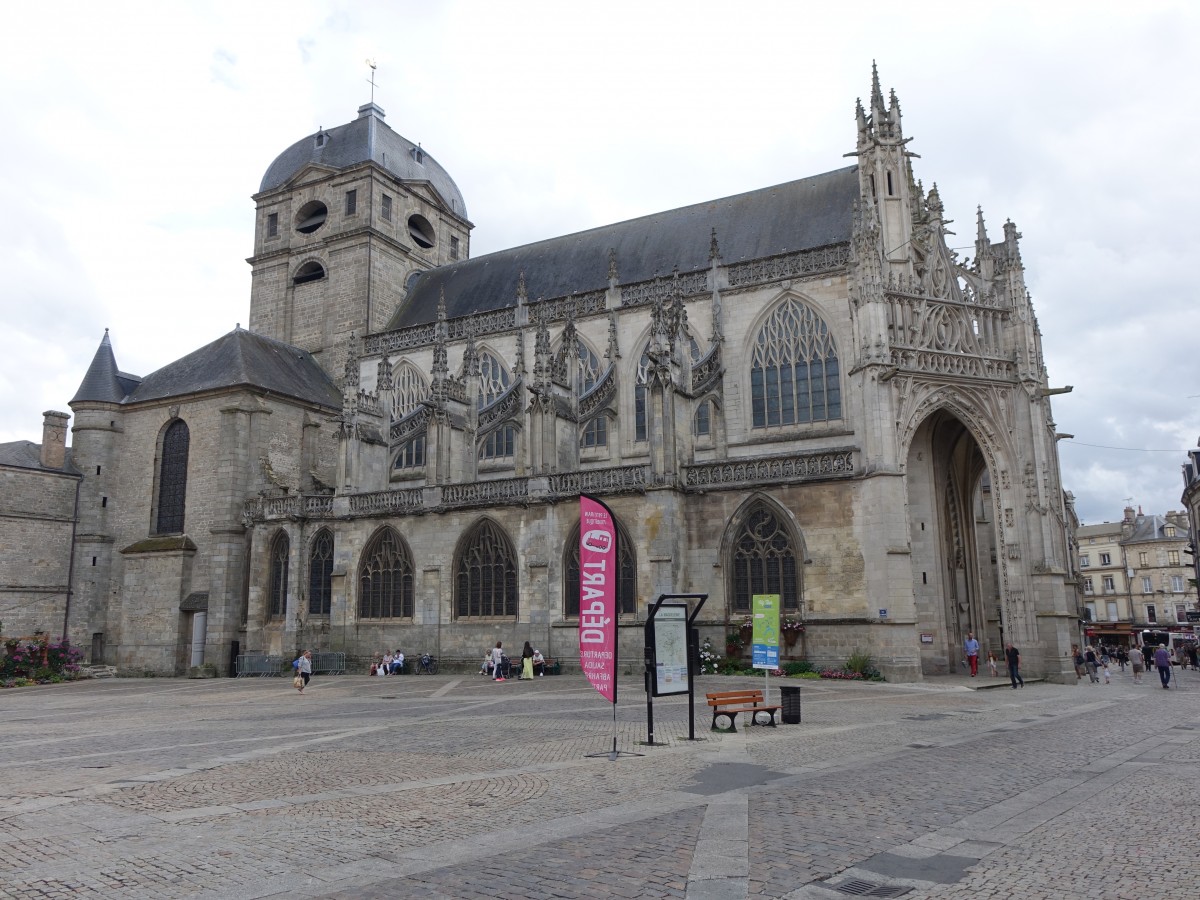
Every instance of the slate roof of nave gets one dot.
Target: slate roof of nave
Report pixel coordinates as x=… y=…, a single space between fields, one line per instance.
x=28 y=455
x=242 y=359
x=799 y=215
x=366 y=138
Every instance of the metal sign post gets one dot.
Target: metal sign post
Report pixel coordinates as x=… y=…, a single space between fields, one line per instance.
x=671 y=652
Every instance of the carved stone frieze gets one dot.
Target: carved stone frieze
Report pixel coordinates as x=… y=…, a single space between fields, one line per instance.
x=772 y=470
x=662 y=290
x=396 y=502
x=806 y=262
x=619 y=480
x=293 y=506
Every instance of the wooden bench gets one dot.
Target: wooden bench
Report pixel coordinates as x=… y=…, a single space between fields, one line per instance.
x=730 y=703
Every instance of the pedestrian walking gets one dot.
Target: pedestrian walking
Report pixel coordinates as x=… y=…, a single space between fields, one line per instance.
x=992 y=663
x=1136 y=663
x=971 y=646
x=1078 y=661
x=1162 y=659
x=304 y=670
x=1012 y=656
x=1148 y=655
x=1091 y=663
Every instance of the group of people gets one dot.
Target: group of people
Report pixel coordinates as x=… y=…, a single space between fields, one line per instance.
x=1095 y=662
x=388 y=664
x=497 y=664
x=1012 y=660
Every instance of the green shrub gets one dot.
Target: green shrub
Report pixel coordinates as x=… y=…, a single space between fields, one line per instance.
x=796 y=667
x=858 y=662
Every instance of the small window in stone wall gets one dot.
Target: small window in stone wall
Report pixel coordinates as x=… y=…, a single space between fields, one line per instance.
x=453 y=247
x=351 y=202
x=385 y=208
x=595 y=433
x=273 y=225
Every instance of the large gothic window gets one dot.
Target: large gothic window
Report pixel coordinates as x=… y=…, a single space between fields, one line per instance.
x=172 y=479
x=641 y=397
x=408 y=390
x=626 y=574
x=486 y=574
x=412 y=454
x=320 y=573
x=385 y=579
x=589 y=369
x=493 y=378
x=594 y=433
x=279 y=575
x=764 y=561
x=500 y=444
x=794 y=369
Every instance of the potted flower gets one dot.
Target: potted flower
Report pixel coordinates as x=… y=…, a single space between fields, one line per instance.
x=734 y=644
x=792 y=629
x=746 y=630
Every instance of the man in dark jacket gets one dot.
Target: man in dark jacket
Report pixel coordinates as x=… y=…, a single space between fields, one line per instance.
x=1013 y=657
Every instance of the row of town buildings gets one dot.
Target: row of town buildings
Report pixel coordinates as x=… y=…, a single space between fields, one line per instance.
x=1137 y=579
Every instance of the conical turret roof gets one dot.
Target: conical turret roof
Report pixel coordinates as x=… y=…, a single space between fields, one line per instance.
x=104 y=382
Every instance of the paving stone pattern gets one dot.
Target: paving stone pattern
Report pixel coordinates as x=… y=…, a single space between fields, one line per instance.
x=452 y=787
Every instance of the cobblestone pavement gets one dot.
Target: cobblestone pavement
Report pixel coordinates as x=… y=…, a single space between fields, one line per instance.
x=458 y=787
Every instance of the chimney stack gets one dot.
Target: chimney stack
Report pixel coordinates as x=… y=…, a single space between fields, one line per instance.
x=54 y=439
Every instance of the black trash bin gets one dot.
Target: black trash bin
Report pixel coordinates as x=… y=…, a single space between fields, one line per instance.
x=791 y=704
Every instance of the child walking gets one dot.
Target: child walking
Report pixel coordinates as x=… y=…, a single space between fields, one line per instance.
x=992 y=664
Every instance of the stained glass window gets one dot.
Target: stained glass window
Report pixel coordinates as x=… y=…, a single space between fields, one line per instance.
x=764 y=561
x=595 y=433
x=172 y=479
x=320 y=573
x=493 y=378
x=499 y=444
x=279 y=575
x=486 y=574
x=386 y=578
x=626 y=574
x=412 y=454
x=794 y=369
x=408 y=390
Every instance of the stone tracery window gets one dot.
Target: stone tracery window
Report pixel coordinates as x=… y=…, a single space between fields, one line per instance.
x=486 y=574
x=594 y=433
x=320 y=573
x=499 y=444
x=794 y=375
x=408 y=390
x=172 y=479
x=280 y=547
x=590 y=369
x=764 y=561
x=626 y=574
x=385 y=578
x=412 y=454
x=493 y=378
x=641 y=397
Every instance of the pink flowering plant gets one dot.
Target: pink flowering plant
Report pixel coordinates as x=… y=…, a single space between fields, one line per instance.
x=38 y=660
x=795 y=626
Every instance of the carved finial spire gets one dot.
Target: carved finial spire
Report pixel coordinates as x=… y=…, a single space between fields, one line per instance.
x=441 y=360
x=471 y=352
x=519 y=365
x=876 y=93
x=541 y=351
x=933 y=203
x=714 y=249
x=352 y=373
x=383 y=379
x=613 y=353
x=522 y=291
x=1012 y=238
x=612 y=264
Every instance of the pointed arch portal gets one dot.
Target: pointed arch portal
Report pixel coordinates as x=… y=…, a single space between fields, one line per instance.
x=954 y=543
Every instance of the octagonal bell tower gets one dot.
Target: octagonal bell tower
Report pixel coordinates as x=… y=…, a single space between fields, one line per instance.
x=346 y=220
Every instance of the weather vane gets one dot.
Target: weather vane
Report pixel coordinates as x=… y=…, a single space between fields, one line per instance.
x=371 y=80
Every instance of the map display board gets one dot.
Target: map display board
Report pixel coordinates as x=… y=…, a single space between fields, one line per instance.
x=765 y=640
x=670 y=649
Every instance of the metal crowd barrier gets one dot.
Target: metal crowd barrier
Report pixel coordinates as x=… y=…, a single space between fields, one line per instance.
x=259 y=664
x=329 y=663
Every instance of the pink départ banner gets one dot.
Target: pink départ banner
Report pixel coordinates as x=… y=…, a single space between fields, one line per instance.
x=598 y=596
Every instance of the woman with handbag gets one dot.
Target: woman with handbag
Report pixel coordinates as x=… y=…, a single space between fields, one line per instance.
x=303 y=671
x=527 y=663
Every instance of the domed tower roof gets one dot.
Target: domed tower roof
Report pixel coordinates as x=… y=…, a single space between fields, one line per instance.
x=366 y=138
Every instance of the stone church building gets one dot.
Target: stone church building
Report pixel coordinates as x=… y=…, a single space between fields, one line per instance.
x=799 y=390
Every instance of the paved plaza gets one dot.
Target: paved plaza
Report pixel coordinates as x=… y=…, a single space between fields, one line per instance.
x=457 y=787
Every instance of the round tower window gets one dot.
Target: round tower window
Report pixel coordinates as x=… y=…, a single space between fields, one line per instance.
x=421 y=231
x=311 y=217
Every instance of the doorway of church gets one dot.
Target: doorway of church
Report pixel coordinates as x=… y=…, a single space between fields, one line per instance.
x=953 y=535
x=199 y=635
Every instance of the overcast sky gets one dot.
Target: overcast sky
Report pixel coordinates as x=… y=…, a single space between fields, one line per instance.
x=135 y=133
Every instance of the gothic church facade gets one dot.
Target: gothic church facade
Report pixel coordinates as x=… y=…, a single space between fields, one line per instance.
x=800 y=390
